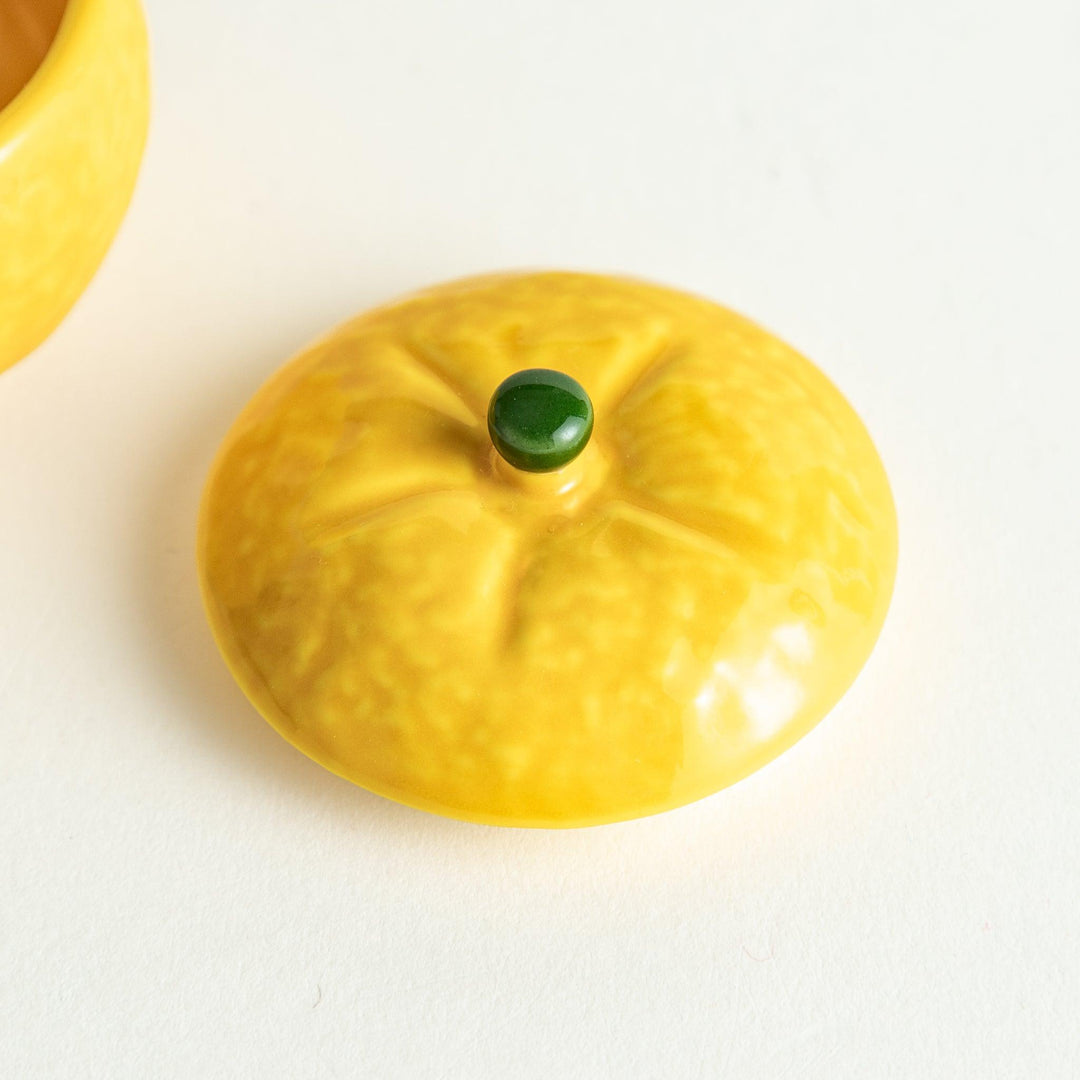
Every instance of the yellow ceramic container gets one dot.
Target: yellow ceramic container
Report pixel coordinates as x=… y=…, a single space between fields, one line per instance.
x=74 y=106
x=648 y=620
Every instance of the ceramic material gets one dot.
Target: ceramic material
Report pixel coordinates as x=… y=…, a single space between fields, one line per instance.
x=540 y=420
x=73 y=118
x=650 y=622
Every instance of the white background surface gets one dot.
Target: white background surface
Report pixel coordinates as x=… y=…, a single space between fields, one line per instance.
x=894 y=188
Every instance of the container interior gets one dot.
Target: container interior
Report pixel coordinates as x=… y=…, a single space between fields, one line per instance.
x=27 y=30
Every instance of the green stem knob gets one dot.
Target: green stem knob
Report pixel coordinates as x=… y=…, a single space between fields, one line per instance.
x=540 y=420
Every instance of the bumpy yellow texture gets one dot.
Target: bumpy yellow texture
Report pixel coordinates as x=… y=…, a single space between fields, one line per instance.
x=636 y=631
x=70 y=145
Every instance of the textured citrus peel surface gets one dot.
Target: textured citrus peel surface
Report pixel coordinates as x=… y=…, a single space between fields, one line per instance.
x=630 y=633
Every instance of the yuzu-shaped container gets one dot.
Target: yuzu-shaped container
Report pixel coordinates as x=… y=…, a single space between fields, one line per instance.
x=74 y=107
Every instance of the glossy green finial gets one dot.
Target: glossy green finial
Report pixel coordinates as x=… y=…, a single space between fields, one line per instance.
x=540 y=419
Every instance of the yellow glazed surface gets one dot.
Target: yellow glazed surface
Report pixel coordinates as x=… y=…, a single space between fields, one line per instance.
x=71 y=139
x=632 y=632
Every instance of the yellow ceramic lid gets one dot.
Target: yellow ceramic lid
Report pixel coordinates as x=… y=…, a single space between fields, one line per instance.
x=633 y=629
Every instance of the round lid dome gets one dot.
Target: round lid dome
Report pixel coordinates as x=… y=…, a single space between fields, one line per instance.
x=420 y=605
